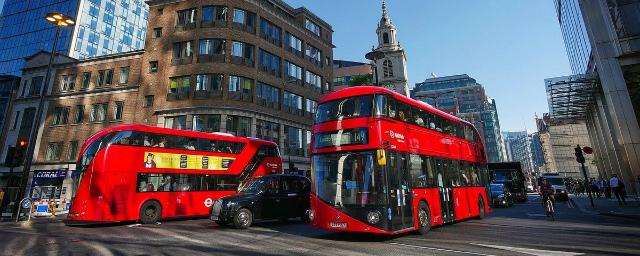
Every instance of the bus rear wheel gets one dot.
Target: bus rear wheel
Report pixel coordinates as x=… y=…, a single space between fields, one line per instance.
x=424 y=218
x=150 y=212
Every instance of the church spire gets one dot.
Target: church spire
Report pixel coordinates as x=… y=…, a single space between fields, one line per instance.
x=385 y=21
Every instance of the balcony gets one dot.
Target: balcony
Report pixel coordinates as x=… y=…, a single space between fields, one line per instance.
x=203 y=94
x=295 y=111
x=295 y=51
x=207 y=58
x=268 y=38
x=214 y=24
x=268 y=104
x=314 y=61
x=181 y=61
x=271 y=71
x=240 y=96
x=243 y=27
x=294 y=80
x=242 y=61
x=186 y=26
x=177 y=96
x=312 y=86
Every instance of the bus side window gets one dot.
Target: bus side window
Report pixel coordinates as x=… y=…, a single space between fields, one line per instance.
x=391 y=108
x=404 y=112
x=416 y=171
x=429 y=171
x=453 y=173
x=149 y=182
x=381 y=105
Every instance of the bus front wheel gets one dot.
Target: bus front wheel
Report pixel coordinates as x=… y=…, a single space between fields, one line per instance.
x=150 y=212
x=424 y=218
x=481 y=209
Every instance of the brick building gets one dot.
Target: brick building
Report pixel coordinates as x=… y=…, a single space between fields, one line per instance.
x=253 y=68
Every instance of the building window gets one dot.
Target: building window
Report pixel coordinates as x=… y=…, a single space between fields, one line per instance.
x=160 y=11
x=148 y=101
x=212 y=46
x=245 y=18
x=78 y=117
x=187 y=18
x=293 y=103
x=293 y=141
x=183 y=50
x=313 y=54
x=60 y=115
x=73 y=150
x=118 y=110
x=313 y=79
x=209 y=82
x=213 y=13
x=206 y=123
x=242 y=50
x=268 y=95
x=99 y=112
x=269 y=62
x=124 y=75
x=157 y=32
x=293 y=43
x=105 y=77
x=176 y=122
x=270 y=32
x=387 y=68
x=54 y=150
x=153 y=66
x=311 y=26
x=385 y=38
x=239 y=126
x=180 y=85
x=36 y=85
x=86 y=80
x=68 y=83
x=293 y=70
x=240 y=88
x=268 y=130
x=311 y=106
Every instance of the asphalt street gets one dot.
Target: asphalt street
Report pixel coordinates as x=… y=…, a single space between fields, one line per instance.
x=519 y=230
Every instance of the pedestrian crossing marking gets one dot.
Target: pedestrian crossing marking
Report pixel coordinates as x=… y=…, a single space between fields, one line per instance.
x=529 y=251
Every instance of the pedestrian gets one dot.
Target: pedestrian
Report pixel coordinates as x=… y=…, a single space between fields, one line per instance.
x=618 y=189
x=52 y=208
x=595 y=189
x=607 y=189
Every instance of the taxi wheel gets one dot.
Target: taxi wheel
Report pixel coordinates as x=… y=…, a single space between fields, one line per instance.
x=243 y=218
x=150 y=212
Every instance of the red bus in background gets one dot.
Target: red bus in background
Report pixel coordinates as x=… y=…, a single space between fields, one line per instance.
x=384 y=163
x=135 y=172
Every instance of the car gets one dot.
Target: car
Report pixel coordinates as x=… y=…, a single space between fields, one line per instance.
x=501 y=197
x=271 y=197
x=559 y=185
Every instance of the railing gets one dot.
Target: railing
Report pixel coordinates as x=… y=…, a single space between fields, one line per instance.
x=214 y=24
x=270 y=39
x=269 y=104
x=295 y=111
x=205 y=58
x=242 y=61
x=203 y=94
x=177 y=96
x=295 y=51
x=243 y=27
x=294 y=80
x=240 y=96
x=182 y=61
x=271 y=71
x=314 y=61
x=185 y=27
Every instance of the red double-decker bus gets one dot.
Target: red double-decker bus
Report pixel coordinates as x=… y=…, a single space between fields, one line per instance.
x=135 y=172
x=384 y=163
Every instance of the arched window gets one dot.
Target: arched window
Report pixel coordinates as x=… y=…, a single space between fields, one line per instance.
x=387 y=68
x=385 y=38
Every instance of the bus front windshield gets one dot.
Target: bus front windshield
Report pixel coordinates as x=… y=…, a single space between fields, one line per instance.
x=349 y=179
x=344 y=108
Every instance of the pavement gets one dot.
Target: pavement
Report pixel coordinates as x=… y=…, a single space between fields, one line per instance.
x=609 y=206
x=519 y=230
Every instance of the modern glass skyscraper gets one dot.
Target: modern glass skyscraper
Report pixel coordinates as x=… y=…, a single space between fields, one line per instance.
x=102 y=27
x=574 y=33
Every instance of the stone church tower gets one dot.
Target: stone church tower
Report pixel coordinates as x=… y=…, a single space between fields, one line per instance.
x=392 y=69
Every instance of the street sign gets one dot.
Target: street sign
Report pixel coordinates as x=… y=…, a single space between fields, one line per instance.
x=587 y=150
x=26 y=203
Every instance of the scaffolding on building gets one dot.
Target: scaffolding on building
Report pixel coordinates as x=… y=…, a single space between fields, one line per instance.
x=570 y=97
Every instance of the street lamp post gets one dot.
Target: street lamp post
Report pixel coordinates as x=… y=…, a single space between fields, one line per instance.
x=374 y=56
x=59 y=20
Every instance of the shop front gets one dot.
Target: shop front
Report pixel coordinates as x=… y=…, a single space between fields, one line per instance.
x=50 y=191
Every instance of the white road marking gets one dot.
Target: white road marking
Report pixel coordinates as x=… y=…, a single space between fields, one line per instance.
x=134 y=225
x=536 y=215
x=530 y=251
x=442 y=250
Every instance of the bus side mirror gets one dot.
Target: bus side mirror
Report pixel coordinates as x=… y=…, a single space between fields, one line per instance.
x=381 y=157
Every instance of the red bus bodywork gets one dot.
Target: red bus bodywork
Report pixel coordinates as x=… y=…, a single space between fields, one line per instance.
x=108 y=189
x=390 y=134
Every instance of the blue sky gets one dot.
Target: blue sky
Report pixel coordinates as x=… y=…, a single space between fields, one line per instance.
x=509 y=46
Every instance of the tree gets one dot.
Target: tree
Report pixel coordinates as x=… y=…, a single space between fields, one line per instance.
x=361 y=80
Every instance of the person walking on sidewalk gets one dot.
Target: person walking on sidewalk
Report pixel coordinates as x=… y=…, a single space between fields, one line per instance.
x=618 y=189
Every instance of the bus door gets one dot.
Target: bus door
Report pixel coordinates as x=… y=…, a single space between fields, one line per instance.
x=400 y=197
x=446 y=193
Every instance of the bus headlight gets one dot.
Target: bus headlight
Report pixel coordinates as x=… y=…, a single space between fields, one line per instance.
x=373 y=217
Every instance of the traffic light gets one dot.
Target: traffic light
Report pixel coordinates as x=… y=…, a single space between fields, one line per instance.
x=20 y=152
x=579 y=155
x=9 y=161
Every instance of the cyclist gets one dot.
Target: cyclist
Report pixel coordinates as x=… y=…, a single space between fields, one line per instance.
x=547 y=192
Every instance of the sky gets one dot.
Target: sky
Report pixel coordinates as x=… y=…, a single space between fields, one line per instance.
x=509 y=46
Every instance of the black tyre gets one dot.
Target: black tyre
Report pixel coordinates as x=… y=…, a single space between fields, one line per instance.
x=150 y=212
x=242 y=219
x=481 y=209
x=424 y=218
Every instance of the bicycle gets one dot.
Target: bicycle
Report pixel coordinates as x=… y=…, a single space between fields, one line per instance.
x=548 y=205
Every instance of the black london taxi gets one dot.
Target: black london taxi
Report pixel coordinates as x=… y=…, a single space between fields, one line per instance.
x=268 y=197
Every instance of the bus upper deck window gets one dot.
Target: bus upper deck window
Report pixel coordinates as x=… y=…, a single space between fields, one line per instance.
x=381 y=105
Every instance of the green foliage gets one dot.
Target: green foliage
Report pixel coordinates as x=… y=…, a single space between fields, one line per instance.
x=361 y=80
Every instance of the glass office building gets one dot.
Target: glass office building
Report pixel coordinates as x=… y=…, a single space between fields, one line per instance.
x=574 y=33
x=102 y=27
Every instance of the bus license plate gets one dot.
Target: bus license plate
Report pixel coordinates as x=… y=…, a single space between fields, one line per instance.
x=338 y=224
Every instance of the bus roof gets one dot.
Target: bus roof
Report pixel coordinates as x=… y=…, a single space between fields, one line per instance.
x=370 y=89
